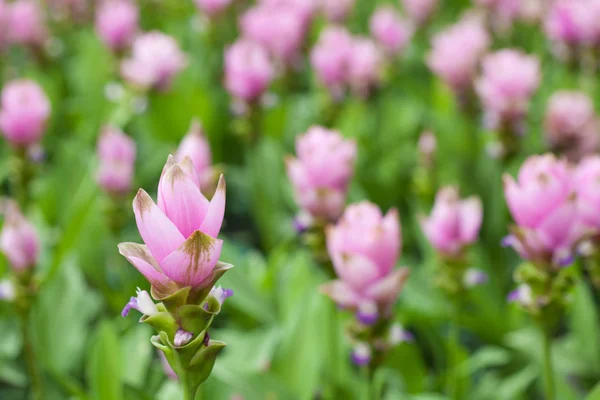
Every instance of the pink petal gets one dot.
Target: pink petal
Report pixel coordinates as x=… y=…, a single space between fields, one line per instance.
x=181 y=200
x=387 y=289
x=139 y=256
x=341 y=293
x=194 y=260
x=216 y=211
x=356 y=270
x=471 y=215
x=555 y=231
x=188 y=167
x=160 y=235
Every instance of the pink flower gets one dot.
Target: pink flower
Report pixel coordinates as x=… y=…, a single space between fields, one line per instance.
x=337 y=10
x=571 y=125
x=419 y=10
x=155 y=60
x=322 y=171
x=365 y=64
x=116 y=152
x=305 y=8
x=179 y=233
x=280 y=29
x=25 y=110
x=26 y=23
x=19 y=239
x=117 y=23
x=587 y=187
x=248 y=70
x=543 y=205
x=508 y=81
x=331 y=56
x=573 y=22
x=390 y=30
x=468 y=38
x=195 y=146
x=364 y=246
x=453 y=223
x=502 y=12
x=212 y=8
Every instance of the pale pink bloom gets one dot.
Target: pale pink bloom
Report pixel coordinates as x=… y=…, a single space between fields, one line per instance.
x=337 y=10
x=502 y=12
x=19 y=239
x=543 y=205
x=587 y=187
x=322 y=171
x=508 y=81
x=573 y=22
x=364 y=246
x=248 y=70
x=571 y=124
x=26 y=24
x=212 y=8
x=25 y=109
x=195 y=146
x=454 y=223
x=117 y=23
x=419 y=10
x=365 y=65
x=155 y=60
x=331 y=56
x=390 y=30
x=279 y=28
x=468 y=38
x=181 y=248
x=305 y=8
x=116 y=152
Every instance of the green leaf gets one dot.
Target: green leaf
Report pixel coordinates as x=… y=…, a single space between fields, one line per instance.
x=104 y=374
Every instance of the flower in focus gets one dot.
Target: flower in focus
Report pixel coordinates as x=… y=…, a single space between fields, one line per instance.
x=543 y=204
x=117 y=23
x=337 y=10
x=468 y=38
x=365 y=64
x=330 y=58
x=24 y=112
x=587 y=187
x=248 y=70
x=391 y=31
x=142 y=302
x=181 y=248
x=220 y=294
x=419 y=10
x=195 y=146
x=571 y=125
x=364 y=246
x=26 y=23
x=155 y=60
x=19 y=240
x=212 y=8
x=321 y=172
x=453 y=223
x=508 y=81
x=116 y=152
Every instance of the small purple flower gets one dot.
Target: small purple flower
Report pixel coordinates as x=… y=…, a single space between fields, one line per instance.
x=367 y=313
x=521 y=295
x=142 y=302
x=7 y=290
x=182 y=338
x=220 y=294
x=361 y=355
x=399 y=335
x=474 y=277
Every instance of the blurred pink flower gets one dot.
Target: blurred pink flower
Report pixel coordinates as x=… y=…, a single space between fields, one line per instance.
x=509 y=79
x=24 y=112
x=543 y=205
x=587 y=187
x=330 y=58
x=26 y=24
x=419 y=10
x=571 y=125
x=179 y=233
x=453 y=223
x=19 y=240
x=117 y=23
x=248 y=70
x=321 y=172
x=573 y=22
x=212 y=8
x=365 y=65
x=116 y=152
x=305 y=8
x=337 y=10
x=195 y=146
x=364 y=246
x=155 y=60
x=468 y=38
x=76 y=10
x=502 y=12
x=279 y=28
x=390 y=30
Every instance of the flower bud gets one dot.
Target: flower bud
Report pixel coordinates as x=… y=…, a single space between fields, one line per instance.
x=142 y=302
x=116 y=152
x=182 y=338
x=453 y=223
x=220 y=294
x=391 y=31
x=248 y=70
x=321 y=172
x=365 y=65
x=195 y=146
x=117 y=23
x=26 y=25
x=24 y=112
x=155 y=60
x=19 y=240
x=330 y=58
x=361 y=355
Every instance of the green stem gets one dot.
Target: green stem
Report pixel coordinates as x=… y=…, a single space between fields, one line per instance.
x=549 y=385
x=30 y=358
x=23 y=177
x=334 y=339
x=453 y=347
x=368 y=392
x=189 y=392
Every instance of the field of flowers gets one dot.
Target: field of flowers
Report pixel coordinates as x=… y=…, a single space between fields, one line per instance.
x=299 y=199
